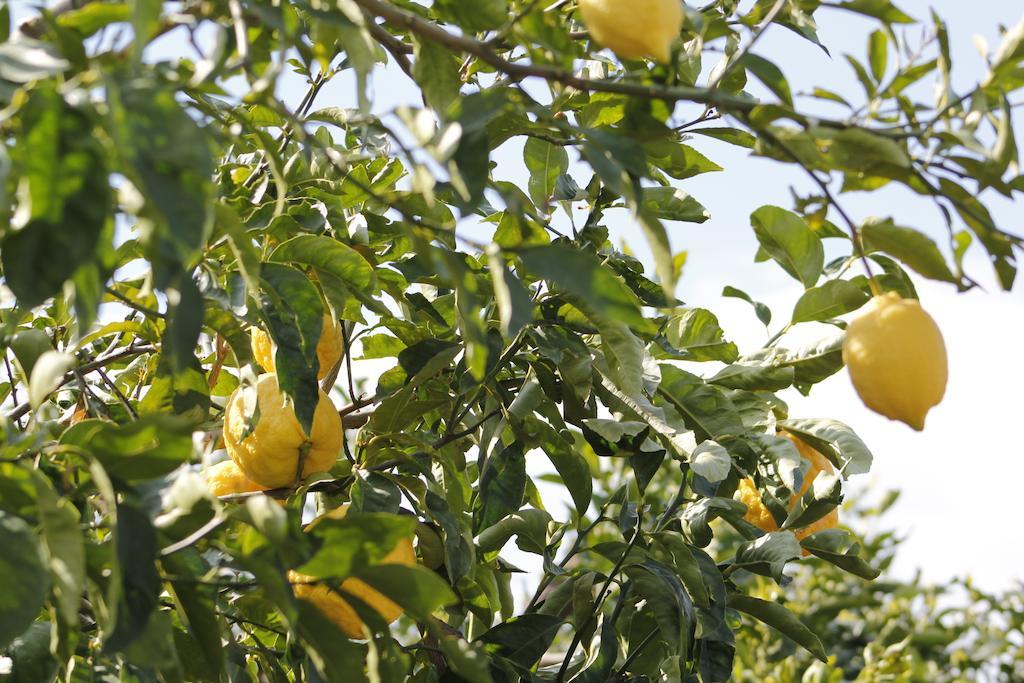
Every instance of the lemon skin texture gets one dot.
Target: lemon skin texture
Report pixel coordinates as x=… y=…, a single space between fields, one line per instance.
x=633 y=29
x=328 y=349
x=269 y=453
x=225 y=479
x=331 y=603
x=761 y=517
x=897 y=359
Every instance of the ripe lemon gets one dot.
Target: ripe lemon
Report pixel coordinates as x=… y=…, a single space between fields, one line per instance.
x=331 y=603
x=268 y=453
x=897 y=359
x=634 y=28
x=328 y=349
x=761 y=517
x=225 y=479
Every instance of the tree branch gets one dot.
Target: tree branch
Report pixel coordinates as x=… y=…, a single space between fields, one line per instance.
x=70 y=375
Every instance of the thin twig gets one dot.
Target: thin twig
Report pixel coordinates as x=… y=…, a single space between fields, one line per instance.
x=86 y=369
x=118 y=393
x=578 y=636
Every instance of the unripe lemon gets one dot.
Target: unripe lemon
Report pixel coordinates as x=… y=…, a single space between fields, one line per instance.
x=328 y=349
x=331 y=603
x=225 y=479
x=897 y=359
x=268 y=453
x=761 y=517
x=634 y=28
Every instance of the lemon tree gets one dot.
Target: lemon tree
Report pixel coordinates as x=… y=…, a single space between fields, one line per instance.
x=413 y=270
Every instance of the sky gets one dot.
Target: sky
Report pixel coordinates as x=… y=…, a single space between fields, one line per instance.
x=959 y=477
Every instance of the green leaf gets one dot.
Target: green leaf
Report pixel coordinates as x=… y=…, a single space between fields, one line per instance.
x=139 y=587
x=416 y=589
x=23 y=575
x=883 y=10
x=143 y=449
x=733 y=136
x=754 y=377
x=467 y=660
x=502 y=485
x=704 y=408
x=69 y=198
x=666 y=598
x=572 y=467
x=27 y=60
x=768 y=554
x=911 y=247
x=545 y=162
x=878 y=53
x=515 y=305
x=168 y=159
x=835 y=440
x=522 y=640
x=697 y=335
x=672 y=204
x=356 y=541
x=711 y=461
x=436 y=70
x=780 y=619
x=787 y=239
x=763 y=313
x=294 y=312
x=30 y=657
x=841 y=549
x=328 y=255
x=770 y=75
x=480 y=16
x=48 y=374
x=583 y=277
x=830 y=300
x=530 y=526
x=64 y=551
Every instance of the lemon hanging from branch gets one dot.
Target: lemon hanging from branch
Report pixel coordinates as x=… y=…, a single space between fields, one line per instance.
x=897 y=359
x=330 y=601
x=266 y=441
x=634 y=28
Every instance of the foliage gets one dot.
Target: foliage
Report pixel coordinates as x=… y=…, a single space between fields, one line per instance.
x=887 y=629
x=155 y=210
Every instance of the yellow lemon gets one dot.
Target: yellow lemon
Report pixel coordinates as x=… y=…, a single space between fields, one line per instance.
x=328 y=349
x=268 y=453
x=331 y=603
x=634 y=28
x=897 y=359
x=225 y=479
x=761 y=517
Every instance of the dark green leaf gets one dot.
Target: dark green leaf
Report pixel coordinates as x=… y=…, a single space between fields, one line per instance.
x=787 y=239
x=523 y=640
x=586 y=279
x=502 y=485
x=782 y=620
x=830 y=300
x=23 y=575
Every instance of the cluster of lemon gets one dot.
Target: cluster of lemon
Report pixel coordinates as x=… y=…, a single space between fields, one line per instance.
x=266 y=456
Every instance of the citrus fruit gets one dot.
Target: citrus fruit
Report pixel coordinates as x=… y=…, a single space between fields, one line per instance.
x=761 y=517
x=897 y=359
x=330 y=601
x=634 y=28
x=225 y=479
x=328 y=349
x=265 y=440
